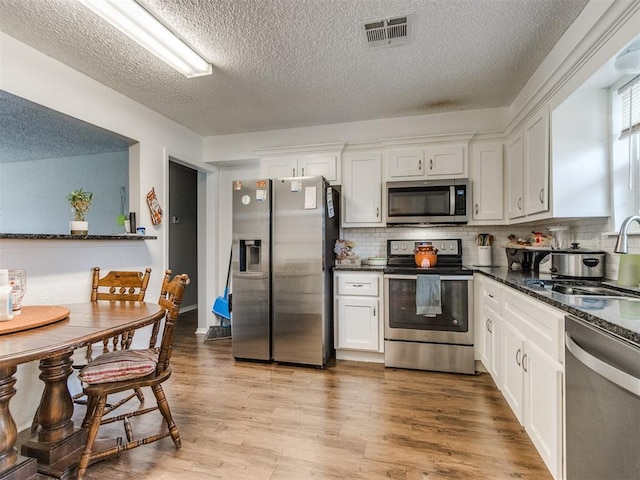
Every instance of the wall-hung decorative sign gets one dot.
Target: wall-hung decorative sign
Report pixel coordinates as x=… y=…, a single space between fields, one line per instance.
x=154 y=207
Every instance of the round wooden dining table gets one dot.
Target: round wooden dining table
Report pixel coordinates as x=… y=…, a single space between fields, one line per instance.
x=52 y=344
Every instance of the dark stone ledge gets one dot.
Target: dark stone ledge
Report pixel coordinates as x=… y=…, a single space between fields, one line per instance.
x=56 y=236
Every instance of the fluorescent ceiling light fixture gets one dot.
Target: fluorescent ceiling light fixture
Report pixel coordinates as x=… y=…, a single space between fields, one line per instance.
x=136 y=22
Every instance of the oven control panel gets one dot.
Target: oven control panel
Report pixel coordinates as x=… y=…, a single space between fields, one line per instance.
x=407 y=247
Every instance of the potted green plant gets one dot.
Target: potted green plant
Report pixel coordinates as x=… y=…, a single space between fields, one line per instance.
x=80 y=202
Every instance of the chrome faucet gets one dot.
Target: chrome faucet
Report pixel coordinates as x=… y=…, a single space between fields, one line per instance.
x=621 y=244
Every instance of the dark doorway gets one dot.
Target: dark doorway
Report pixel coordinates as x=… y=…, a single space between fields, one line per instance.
x=183 y=228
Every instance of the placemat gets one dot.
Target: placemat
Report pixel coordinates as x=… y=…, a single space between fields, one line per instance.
x=34 y=316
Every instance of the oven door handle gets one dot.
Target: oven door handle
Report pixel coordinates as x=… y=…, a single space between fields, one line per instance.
x=414 y=277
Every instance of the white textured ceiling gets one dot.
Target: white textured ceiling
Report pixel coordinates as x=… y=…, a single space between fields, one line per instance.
x=32 y=132
x=292 y=63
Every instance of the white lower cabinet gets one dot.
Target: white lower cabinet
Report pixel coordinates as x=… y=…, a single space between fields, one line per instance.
x=490 y=338
x=358 y=325
x=521 y=346
x=533 y=370
x=543 y=415
x=358 y=313
x=512 y=343
x=488 y=324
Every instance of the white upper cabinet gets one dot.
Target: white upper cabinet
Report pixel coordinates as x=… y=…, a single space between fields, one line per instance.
x=362 y=189
x=528 y=167
x=486 y=177
x=580 y=156
x=426 y=158
x=278 y=167
x=301 y=166
x=320 y=164
x=515 y=174
x=303 y=161
x=536 y=163
x=557 y=163
x=405 y=163
x=446 y=160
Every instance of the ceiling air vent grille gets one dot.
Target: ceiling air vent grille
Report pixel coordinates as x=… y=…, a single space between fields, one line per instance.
x=384 y=33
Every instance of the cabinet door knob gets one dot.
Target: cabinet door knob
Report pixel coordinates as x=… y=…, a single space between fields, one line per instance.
x=377 y=212
x=518 y=357
x=489 y=324
x=374 y=311
x=524 y=363
x=431 y=164
x=293 y=172
x=476 y=208
x=303 y=171
x=420 y=164
x=541 y=194
x=519 y=203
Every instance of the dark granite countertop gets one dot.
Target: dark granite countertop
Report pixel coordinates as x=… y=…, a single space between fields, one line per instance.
x=361 y=268
x=57 y=236
x=617 y=316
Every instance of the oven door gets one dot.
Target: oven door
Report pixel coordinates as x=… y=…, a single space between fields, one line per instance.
x=454 y=325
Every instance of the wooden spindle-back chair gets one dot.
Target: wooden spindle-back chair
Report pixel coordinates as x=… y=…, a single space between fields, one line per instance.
x=110 y=373
x=116 y=285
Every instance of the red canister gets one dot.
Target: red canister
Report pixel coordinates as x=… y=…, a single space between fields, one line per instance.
x=426 y=256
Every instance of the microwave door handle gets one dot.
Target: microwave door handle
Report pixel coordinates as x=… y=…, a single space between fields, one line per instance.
x=452 y=200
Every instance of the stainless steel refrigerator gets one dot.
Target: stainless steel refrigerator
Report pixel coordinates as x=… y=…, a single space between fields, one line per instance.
x=284 y=232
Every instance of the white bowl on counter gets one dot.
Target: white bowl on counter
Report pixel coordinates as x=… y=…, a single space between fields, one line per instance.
x=377 y=261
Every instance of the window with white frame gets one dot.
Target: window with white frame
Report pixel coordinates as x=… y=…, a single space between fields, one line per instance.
x=625 y=118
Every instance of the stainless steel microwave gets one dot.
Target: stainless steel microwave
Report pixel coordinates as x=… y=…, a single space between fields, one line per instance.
x=428 y=202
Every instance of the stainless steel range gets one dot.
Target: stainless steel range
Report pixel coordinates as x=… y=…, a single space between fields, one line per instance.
x=429 y=311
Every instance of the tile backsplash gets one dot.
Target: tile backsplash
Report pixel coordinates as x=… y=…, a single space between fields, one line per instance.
x=372 y=242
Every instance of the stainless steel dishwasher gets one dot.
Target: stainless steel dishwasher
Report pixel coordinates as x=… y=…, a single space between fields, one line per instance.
x=602 y=398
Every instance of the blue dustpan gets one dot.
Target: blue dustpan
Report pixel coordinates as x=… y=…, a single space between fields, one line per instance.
x=221 y=304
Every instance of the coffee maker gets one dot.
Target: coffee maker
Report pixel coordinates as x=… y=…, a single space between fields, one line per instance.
x=527 y=259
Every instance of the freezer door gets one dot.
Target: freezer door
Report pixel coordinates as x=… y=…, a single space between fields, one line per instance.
x=251 y=283
x=301 y=319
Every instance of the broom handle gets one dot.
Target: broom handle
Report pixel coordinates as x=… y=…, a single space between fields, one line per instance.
x=229 y=270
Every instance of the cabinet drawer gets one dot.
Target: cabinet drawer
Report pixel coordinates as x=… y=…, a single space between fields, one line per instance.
x=492 y=294
x=539 y=323
x=357 y=284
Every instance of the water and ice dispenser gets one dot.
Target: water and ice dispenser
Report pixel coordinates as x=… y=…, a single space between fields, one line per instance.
x=250 y=256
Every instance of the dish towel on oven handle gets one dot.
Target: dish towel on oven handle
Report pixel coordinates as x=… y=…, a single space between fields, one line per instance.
x=428 y=299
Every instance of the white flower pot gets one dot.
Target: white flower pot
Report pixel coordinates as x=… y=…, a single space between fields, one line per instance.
x=79 y=228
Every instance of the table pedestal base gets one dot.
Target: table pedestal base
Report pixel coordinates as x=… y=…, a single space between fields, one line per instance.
x=57 y=459
x=23 y=469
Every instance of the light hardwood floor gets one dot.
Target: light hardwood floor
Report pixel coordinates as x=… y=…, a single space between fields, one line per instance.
x=244 y=420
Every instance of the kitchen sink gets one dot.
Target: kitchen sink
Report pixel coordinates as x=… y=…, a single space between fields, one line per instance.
x=584 y=290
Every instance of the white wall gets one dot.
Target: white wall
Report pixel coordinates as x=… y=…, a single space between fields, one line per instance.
x=58 y=271
x=33 y=193
x=225 y=148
